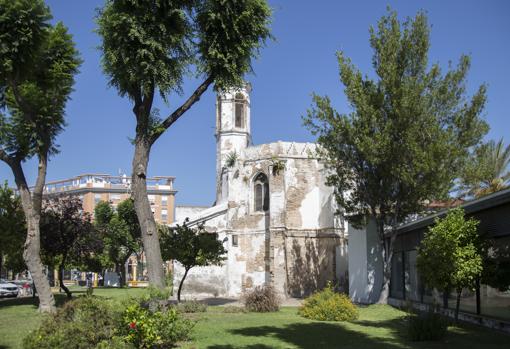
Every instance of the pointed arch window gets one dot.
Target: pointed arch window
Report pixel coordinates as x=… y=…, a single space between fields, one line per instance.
x=261 y=193
x=240 y=110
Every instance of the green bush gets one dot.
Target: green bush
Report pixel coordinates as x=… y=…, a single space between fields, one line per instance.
x=84 y=322
x=192 y=307
x=427 y=327
x=262 y=299
x=154 y=329
x=327 y=305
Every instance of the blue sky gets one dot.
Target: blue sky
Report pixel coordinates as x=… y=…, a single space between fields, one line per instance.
x=300 y=61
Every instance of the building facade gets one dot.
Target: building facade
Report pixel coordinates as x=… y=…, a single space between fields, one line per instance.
x=93 y=188
x=273 y=212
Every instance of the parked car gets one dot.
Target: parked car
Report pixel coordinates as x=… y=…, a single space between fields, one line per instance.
x=8 y=289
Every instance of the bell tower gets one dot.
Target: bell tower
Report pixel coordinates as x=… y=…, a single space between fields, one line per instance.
x=232 y=133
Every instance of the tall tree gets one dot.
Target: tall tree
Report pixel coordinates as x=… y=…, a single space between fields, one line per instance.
x=38 y=62
x=449 y=256
x=12 y=231
x=192 y=248
x=489 y=170
x=68 y=238
x=408 y=135
x=149 y=47
x=121 y=234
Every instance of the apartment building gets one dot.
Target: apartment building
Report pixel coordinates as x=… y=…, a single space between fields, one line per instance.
x=93 y=188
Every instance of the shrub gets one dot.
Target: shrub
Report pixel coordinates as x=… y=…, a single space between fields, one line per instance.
x=262 y=299
x=327 y=305
x=81 y=323
x=154 y=329
x=192 y=307
x=427 y=327
x=234 y=309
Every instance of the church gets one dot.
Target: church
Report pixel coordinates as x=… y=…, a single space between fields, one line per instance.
x=273 y=212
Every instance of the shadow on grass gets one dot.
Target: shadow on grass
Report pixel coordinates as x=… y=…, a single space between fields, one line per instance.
x=60 y=299
x=327 y=335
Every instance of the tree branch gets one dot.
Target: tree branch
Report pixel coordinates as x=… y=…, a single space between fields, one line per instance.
x=172 y=118
x=4 y=157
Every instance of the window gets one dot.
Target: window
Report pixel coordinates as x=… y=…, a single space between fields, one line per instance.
x=261 y=193
x=152 y=199
x=164 y=215
x=164 y=200
x=218 y=106
x=235 y=240
x=240 y=110
x=114 y=196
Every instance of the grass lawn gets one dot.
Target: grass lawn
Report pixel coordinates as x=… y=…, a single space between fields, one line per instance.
x=378 y=327
x=19 y=315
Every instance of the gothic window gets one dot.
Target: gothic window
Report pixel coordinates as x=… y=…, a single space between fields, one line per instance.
x=261 y=193
x=218 y=112
x=240 y=110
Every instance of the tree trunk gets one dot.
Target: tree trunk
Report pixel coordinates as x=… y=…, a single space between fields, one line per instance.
x=457 y=305
x=181 y=283
x=1 y=263
x=387 y=256
x=31 y=203
x=61 y=280
x=150 y=237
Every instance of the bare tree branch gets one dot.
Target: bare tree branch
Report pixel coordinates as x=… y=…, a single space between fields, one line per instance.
x=172 y=118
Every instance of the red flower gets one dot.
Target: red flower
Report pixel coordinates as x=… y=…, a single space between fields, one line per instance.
x=132 y=325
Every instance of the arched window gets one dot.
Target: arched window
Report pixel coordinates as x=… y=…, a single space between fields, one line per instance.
x=218 y=113
x=261 y=193
x=240 y=110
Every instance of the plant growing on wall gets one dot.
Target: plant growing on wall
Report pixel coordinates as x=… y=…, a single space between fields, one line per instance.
x=149 y=49
x=231 y=159
x=278 y=166
x=449 y=255
x=38 y=62
x=192 y=247
x=408 y=136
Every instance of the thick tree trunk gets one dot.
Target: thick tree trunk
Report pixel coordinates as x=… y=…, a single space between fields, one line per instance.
x=181 y=283
x=150 y=237
x=61 y=280
x=31 y=203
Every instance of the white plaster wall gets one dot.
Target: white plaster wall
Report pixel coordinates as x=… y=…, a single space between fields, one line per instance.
x=183 y=212
x=365 y=264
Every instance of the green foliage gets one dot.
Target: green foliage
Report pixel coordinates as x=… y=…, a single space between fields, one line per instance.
x=192 y=307
x=278 y=166
x=427 y=327
x=231 y=159
x=230 y=33
x=12 y=230
x=262 y=299
x=449 y=254
x=81 y=323
x=410 y=131
x=154 y=329
x=37 y=71
x=327 y=305
x=191 y=247
x=120 y=231
x=488 y=172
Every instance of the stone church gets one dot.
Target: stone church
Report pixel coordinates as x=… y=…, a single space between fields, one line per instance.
x=273 y=212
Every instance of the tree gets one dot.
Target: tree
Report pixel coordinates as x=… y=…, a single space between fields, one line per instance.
x=37 y=69
x=449 y=255
x=191 y=247
x=68 y=237
x=150 y=49
x=407 y=137
x=121 y=234
x=488 y=172
x=12 y=231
